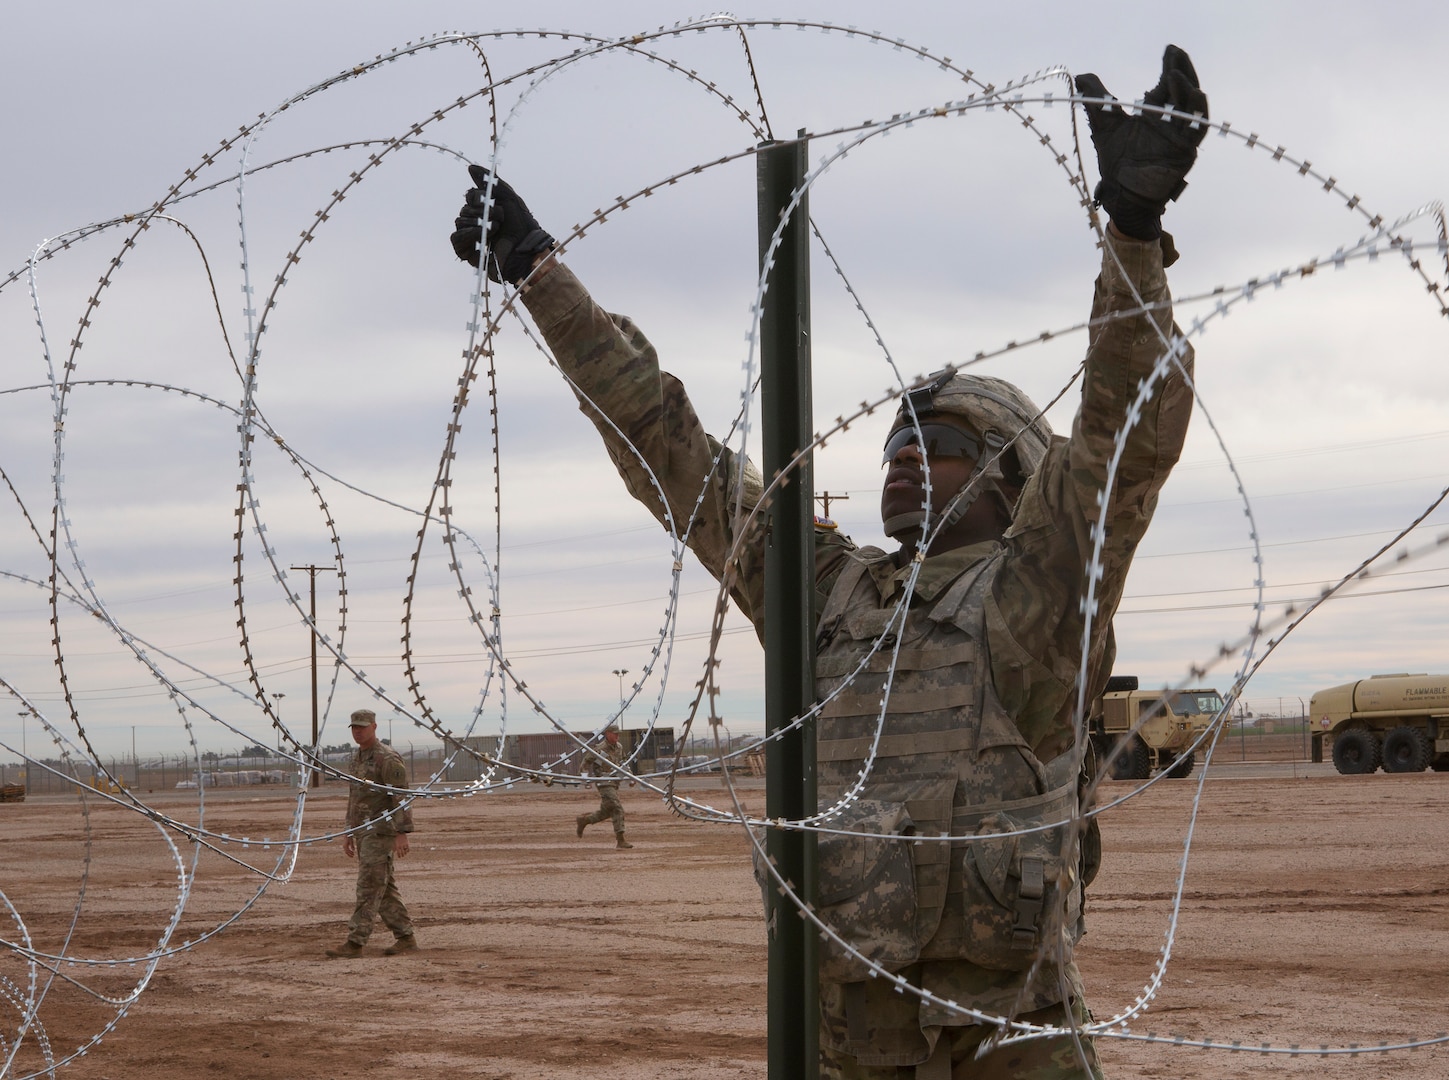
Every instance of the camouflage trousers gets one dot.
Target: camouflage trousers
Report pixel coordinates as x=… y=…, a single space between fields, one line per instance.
x=377 y=891
x=955 y=1057
x=609 y=808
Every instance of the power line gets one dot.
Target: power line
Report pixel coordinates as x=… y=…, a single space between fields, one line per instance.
x=1293 y=600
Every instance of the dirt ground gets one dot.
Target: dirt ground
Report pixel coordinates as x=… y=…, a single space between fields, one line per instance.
x=1316 y=910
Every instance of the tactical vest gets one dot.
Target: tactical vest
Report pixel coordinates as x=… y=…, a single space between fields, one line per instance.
x=380 y=808
x=606 y=776
x=948 y=761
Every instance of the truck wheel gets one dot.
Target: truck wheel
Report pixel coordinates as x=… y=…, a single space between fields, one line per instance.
x=1406 y=749
x=1356 y=751
x=1141 y=760
x=1183 y=766
x=1134 y=761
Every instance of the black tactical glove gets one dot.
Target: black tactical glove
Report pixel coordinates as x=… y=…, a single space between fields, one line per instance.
x=514 y=238
x=1144 y=158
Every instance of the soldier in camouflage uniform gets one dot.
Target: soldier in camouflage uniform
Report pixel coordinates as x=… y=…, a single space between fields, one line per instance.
x=977 y=736
x=604 y=763
x=381 y=827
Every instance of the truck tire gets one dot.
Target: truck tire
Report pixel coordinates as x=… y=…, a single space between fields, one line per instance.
x=1406 y=749
x=1134 y=761
x=1356 y=752
x=1183 y=766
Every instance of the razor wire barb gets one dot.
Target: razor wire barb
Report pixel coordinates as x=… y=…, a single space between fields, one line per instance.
x=68 y=587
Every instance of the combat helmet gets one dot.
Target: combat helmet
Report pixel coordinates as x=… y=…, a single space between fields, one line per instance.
x=1013 y=433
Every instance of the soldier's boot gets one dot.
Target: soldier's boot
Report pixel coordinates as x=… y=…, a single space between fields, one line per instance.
x=402 y=945
x=579 y=823
x=620 y=842
x=348 y=950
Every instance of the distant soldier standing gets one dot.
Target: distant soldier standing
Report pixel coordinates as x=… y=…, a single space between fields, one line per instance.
x=384 y=836
x=604 y=763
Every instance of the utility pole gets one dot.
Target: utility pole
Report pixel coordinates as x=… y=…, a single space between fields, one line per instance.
x=825 y=498
x=312 y=572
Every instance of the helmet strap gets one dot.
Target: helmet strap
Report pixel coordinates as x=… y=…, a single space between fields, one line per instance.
x=984 y=479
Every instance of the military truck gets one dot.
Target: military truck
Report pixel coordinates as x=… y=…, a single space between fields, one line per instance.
x=1399 y=721
x=1165 y=734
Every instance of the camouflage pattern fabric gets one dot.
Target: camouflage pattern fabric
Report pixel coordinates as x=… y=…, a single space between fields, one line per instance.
x=604 y=760
x=379 y=810
x=1053 y=1058
x=377 y=894
x=376 y=815
x=948 y=761
x=610 y=808
x=979 y=716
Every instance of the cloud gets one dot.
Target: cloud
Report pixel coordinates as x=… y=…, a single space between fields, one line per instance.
x=959 y=235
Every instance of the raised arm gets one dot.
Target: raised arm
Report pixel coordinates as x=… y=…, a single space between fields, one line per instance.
x=1037 y=623
x=649 y=426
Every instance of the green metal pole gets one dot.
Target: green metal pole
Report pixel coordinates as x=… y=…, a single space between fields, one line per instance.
x=793 y=995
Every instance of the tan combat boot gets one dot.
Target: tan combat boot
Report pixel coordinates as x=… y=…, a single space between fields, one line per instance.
x=579 y=823
x=620 y=842
x=402 y=945
x=348 y=950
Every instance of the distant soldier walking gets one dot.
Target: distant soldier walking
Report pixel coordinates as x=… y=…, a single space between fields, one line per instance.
x=382 y=833
x=603 y=762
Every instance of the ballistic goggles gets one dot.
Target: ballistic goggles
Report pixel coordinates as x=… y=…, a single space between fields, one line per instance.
x=935 y=440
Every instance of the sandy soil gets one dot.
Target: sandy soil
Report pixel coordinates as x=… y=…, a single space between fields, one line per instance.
x=1316 y=911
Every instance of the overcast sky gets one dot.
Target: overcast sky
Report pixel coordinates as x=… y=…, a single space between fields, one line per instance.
x=959 y=235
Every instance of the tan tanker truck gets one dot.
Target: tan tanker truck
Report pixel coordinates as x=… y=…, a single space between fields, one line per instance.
x=1166 y=731
x=1400 y=721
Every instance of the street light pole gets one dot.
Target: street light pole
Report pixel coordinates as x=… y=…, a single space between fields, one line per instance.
x=621 y=672
x=24 y=752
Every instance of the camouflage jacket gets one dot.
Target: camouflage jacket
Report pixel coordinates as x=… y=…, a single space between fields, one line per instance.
x=1000 y=699
x=603 y=760
x=380 y=764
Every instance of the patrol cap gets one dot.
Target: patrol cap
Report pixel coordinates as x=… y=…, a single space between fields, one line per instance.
x=363 y=718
